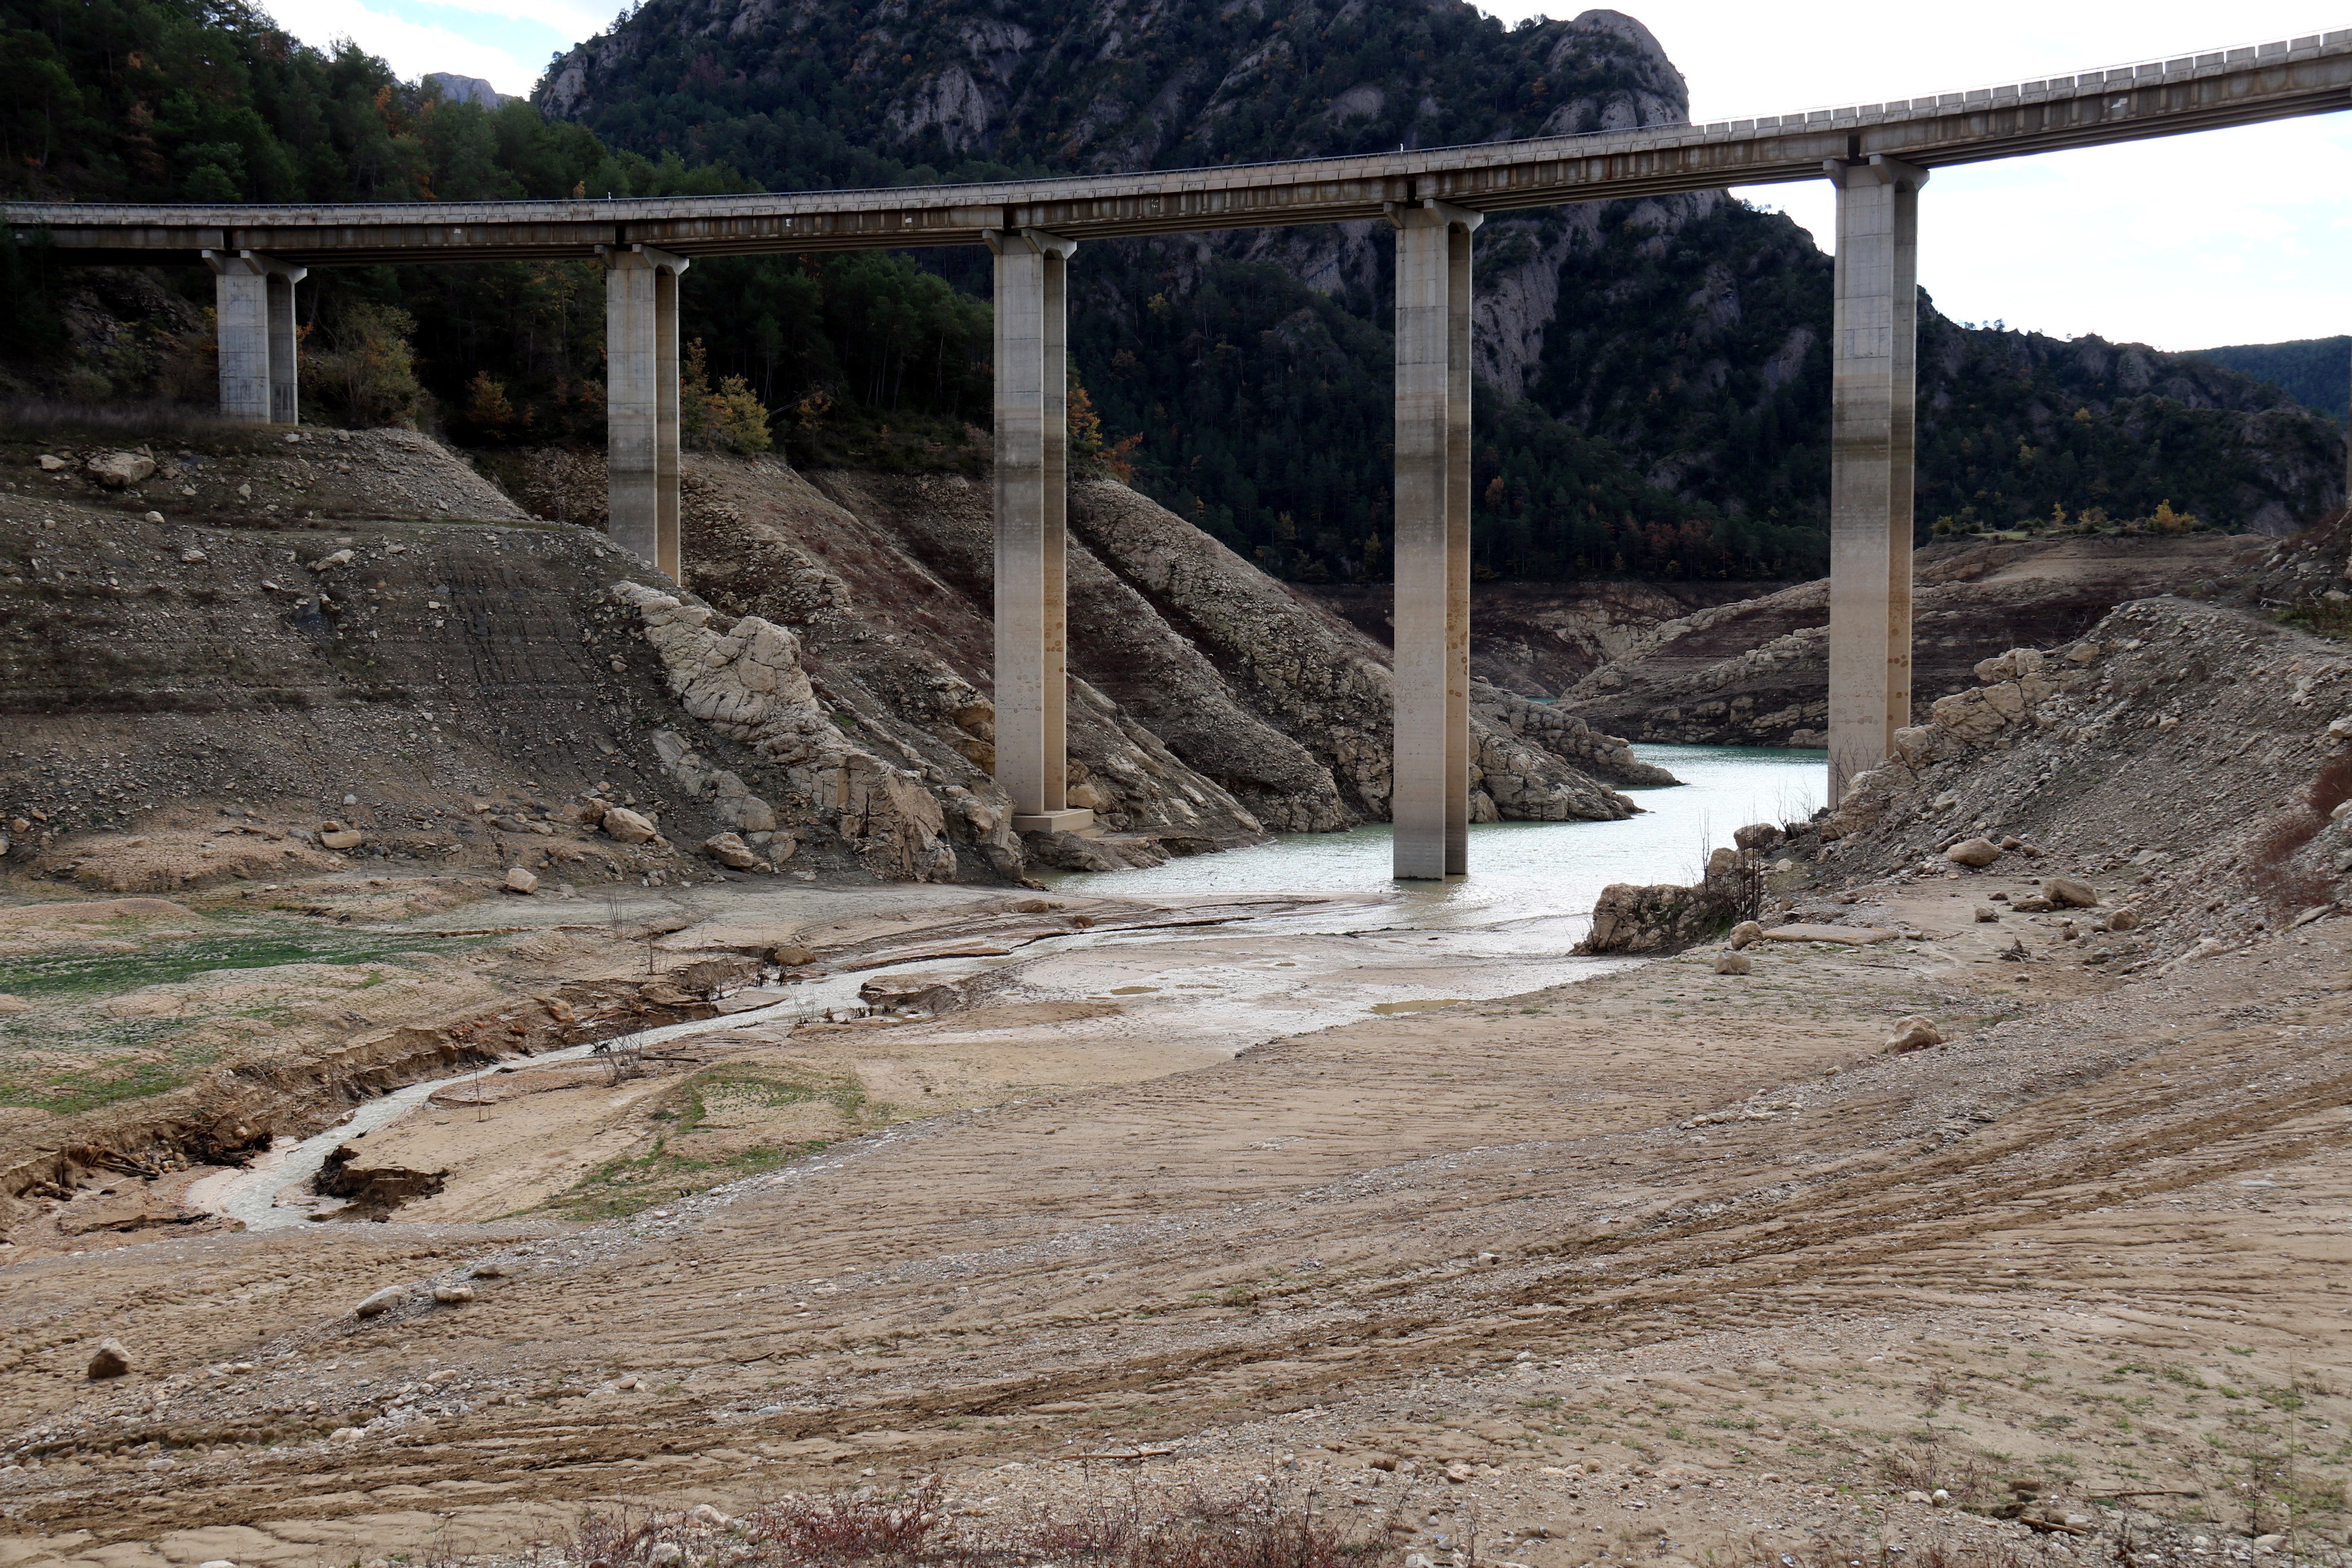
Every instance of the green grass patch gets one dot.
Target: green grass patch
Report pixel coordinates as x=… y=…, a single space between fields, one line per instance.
x=72 y=973
x=156 y=1065
x=672 y=1168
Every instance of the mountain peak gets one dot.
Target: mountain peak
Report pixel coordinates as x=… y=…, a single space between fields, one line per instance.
x=1057 y=85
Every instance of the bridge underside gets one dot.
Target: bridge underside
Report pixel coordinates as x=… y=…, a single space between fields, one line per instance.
x=1878 y=156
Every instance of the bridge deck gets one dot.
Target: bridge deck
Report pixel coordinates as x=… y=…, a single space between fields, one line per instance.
x=2195 y=93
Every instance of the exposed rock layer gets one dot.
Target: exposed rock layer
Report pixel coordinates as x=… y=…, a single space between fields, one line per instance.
x=1756 y=672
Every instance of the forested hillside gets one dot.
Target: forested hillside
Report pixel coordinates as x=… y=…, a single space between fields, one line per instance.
x=1672 y=352
x=1654 y=375
x=2314 y=372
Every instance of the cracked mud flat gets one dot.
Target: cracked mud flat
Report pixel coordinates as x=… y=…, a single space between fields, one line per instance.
x=1478 y=1268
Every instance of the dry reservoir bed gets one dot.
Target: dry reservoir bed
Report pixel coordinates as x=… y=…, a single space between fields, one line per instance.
x=1657 y=1265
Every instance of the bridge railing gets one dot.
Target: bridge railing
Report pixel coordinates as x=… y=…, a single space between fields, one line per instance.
x=2133 y=74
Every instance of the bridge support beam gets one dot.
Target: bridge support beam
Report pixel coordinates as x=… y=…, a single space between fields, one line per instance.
x=1431 y=771
x=1033 y=494
x=641 y=403
x=1874 y=396
x=253 y=300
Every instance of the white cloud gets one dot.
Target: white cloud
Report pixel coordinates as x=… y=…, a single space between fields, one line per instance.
x=413 y=47
x=2187 y=242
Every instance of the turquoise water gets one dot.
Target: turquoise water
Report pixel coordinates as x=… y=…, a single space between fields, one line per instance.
x=1526 y=877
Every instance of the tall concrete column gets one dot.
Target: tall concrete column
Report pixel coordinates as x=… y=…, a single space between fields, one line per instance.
x=253 y=310
x=1033 y=447
x=641 y=409
x=1873 y=398
x=1431 y=777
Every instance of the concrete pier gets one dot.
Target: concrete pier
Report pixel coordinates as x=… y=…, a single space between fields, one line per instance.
x=1430 y=781
x=1874 y=394
x=1033 y=463
x=253 y=300
x=641 y=409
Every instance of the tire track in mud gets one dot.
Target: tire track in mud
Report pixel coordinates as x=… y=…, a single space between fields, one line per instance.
x=2056 y=1157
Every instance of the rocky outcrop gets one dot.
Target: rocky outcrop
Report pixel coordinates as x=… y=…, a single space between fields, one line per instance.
x=743 y=677
x=1667 y=917
x=1324 y=682
x=885 y=585
x=2182 y=766
x=1756 y=673
x=1564 y=735
x=1209 y=703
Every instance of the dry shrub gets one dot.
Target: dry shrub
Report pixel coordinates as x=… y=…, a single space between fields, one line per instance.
x=911 y=1529
x=2290 y=887
x=1921 y=1463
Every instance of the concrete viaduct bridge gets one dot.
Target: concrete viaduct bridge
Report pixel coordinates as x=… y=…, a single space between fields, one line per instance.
x=1877 y=154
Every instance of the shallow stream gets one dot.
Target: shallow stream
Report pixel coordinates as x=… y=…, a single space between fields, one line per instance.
x=1505 y=929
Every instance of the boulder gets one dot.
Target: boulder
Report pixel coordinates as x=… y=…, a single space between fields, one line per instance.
x=110 y=1359
x=2032 y=906
x=50 y=463
x=708 y=976
x=1915 y=1033
x=382 y=1301
x=488 y=1269
x=732 y=853
x=1662 y=918
x=1760 y=835
x=1745 y=932
x=1917 y=745
x=329 y=562
x=118 y=470
x=791 y=954
x=626 y=827
x=1733 y=964
x=341 y=838
x=2018 y=663
x=521 y=881
x=1973 y=852
x=453 y=1295
x=1986 y=912
x=1967 y=715
x=2069 y=893
x=2124 y=920
x=924 y=992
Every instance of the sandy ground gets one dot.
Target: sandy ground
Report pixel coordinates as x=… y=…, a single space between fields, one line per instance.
x=1659 y=1264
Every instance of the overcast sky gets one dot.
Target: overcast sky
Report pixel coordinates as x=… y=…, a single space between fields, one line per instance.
x=2226 y=238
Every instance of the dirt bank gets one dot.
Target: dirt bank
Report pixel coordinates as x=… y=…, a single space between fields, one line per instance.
x=1754 y=673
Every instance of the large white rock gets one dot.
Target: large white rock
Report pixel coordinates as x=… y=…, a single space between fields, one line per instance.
x=628 y=827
